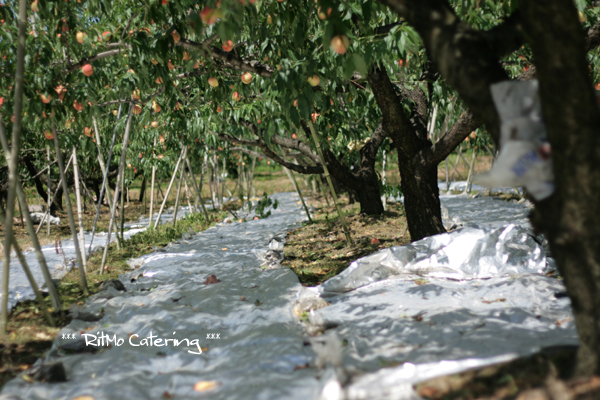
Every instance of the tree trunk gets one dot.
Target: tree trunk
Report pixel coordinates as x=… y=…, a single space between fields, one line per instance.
x=421 y=199
x=418 y=179
x=569 y=218
x=142 y=191
x=39 y=185
x=369 y=198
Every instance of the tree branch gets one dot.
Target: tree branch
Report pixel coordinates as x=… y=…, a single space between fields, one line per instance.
x=370 y=149
x=296 y=145
x=87 y=60
x=230 y=59
x=394 y=121
x=248 y=151
x=460 y=53
x=433 y=155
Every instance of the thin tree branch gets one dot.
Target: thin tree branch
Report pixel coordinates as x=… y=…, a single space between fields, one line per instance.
x=230 y=59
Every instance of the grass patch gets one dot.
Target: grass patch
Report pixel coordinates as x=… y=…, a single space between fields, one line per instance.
x=30 y=336
x=318 y=250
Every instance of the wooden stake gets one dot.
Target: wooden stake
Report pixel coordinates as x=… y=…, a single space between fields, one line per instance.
x=447 y=181
x=162 y=207
x=13 y=161
x=198 y=188
x=383 y=174
x=116 y=197
x=187 y=192
x=53 y=198
x=290 y=175
x=104 y=173
x=251 y=181
x=79 y=212
x=470 y=176
x=335 y=200
x=152 y=191
x=122 y=210
x=323 y=192
x=178 y=191
x=61 y=169
x=49 y=189
x=31 y=230
x=38 y=295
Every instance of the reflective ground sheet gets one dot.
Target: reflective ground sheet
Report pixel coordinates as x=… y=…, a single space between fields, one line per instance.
x=475 y=296
x=60 y=258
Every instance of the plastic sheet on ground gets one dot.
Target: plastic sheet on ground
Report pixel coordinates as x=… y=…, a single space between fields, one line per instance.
x=472 y=297
x=61 y=258
x=479 y=295
x=252 y=345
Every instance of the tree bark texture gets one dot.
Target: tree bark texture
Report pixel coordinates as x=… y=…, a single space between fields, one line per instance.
x=418 y=179
x=468 y=61
x=569 y=218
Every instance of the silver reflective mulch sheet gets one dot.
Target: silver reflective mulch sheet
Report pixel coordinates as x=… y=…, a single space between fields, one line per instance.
x=60 y=257
x=481 y=294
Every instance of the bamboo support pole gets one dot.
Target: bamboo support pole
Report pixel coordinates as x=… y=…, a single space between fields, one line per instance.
x=122 y=199
x=196 y=187
x=181 y=174
x=104 y=172
x=187 y=194
x=251 y=181
x=162 y=207
x=49 y=188
x=38 y=295
x=52 y=199
x=290 y=175
x=31 y=231
x=61 y=169
x=383 y=173
x=209 y=176
x=325 y=169
x=152 y=191
x=79 y=210
x=323 y=191
x=13 y=161
x=117 y=186
x=223 y=174
x=216 y=180
x=456 y=164
x=470 y=176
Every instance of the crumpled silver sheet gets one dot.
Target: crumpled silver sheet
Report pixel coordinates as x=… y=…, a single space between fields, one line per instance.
x=448 y=303
x=260 y=345
x=467 y=253
x=396 y=329
x=490 y=211
x=441 y=327
x=19 y=287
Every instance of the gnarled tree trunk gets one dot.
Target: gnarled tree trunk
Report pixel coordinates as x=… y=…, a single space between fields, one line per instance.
x=418 y=180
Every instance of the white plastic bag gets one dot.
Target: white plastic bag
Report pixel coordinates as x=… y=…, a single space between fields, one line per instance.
x=524 y=158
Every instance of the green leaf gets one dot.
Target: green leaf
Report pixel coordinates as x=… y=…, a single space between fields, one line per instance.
x=360 y=64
